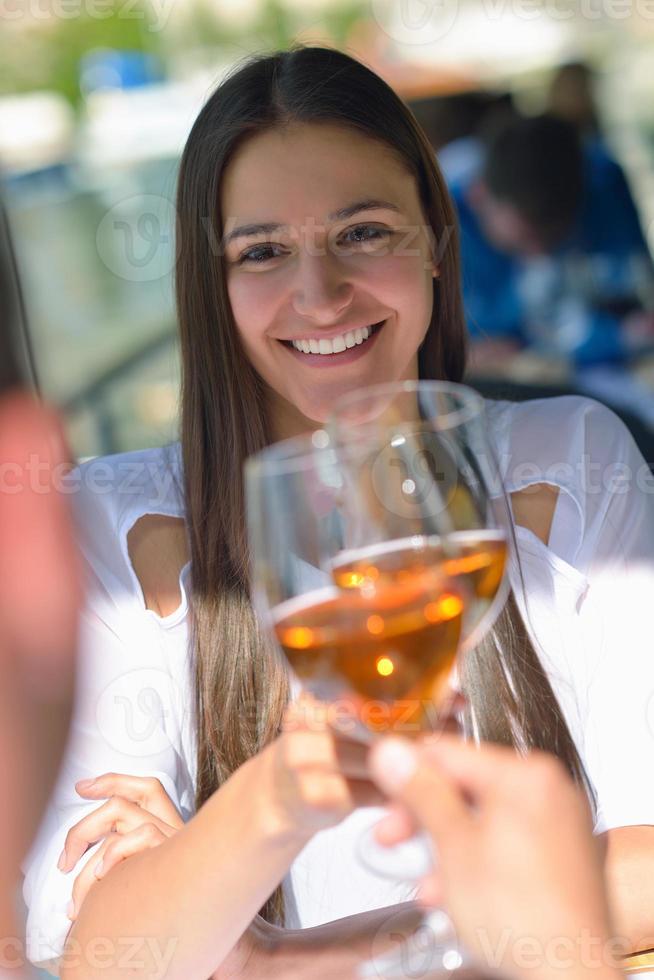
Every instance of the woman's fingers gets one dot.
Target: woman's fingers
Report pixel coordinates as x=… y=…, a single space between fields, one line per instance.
x=116 y=848
x=431 y=893
x=406 y=773
x=145 y=791
x=116 y=815
x=85 y=880
x=120 y=847
x=395 y=827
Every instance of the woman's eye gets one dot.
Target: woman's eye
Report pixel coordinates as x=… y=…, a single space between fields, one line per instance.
x=368 y=233
x=258 y=254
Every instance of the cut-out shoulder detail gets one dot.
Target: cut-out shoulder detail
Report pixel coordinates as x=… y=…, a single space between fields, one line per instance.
x=533 y=508
x=158 y=550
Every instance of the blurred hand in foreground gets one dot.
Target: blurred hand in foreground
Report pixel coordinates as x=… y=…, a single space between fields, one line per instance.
x=39 y=599
x=518 y=868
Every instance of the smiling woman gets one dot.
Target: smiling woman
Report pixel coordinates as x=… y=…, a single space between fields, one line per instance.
x=312 y=215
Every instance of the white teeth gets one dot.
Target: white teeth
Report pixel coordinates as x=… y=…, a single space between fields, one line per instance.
x=333 y=345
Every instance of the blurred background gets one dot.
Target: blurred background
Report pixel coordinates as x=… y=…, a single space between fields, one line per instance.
x=97 y=98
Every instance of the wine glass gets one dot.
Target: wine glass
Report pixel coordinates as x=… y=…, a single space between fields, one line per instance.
x=357 y=593
x=447 y=465
x=370 y=628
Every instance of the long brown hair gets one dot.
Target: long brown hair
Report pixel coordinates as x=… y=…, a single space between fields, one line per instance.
x=241 y=689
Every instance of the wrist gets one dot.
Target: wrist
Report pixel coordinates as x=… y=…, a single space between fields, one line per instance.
x=274 y=824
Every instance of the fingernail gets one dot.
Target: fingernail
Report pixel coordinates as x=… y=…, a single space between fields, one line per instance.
x=61 y=863
x=84 y=784
x=393 y=762
x=97 y=871
x=70 y=910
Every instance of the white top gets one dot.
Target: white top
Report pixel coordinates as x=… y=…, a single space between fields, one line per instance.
x=588 y=612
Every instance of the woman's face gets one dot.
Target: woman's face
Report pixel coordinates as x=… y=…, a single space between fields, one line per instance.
x=324 y=274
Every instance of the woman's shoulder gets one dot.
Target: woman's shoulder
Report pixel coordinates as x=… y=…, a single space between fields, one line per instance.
x=582 y=449
x=560 y=440
x=110 y=493
x=140 y=481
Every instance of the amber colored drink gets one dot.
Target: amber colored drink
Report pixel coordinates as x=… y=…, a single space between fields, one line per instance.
x=384 y=640
x=480 y=561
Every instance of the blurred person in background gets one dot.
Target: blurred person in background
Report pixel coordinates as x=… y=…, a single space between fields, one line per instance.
x=180 y=691
x=453 y=123
x=571 y=97
x=39 y=597
x=553 y=253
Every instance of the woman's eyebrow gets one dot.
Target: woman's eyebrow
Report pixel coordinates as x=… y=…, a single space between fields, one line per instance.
x=265 y=228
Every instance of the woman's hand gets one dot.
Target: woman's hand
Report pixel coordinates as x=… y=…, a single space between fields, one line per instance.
x=519 y=870
x=138 y=815
x=312 y=777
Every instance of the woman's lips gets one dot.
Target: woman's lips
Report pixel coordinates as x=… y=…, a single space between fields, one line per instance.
x=330 y=360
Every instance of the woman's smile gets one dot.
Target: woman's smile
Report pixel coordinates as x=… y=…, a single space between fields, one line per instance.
x=344 y=348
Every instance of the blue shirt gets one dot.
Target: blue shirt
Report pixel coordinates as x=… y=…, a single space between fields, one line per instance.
x=571 y=301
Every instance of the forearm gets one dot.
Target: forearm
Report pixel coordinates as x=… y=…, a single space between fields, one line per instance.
x=334 y=951
x=185 y=903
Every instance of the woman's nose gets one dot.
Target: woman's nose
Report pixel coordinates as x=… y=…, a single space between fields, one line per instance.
x=322 y=290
